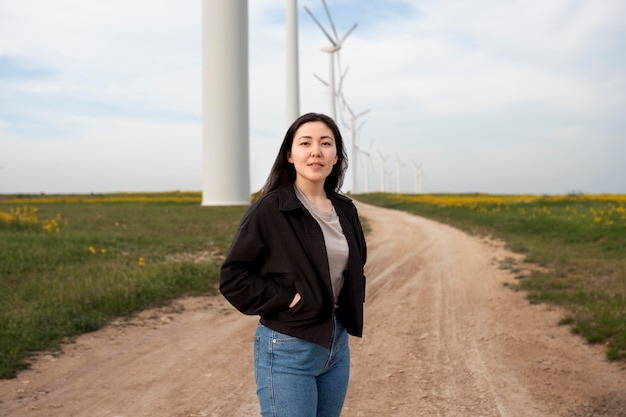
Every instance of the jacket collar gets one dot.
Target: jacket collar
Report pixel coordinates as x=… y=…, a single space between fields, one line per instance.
x=287 y=199
x=309 y=233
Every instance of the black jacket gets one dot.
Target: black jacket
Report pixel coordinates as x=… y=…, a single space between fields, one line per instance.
x=279 y=250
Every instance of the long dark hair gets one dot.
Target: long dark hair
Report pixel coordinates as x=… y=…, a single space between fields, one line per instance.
x=283 y=172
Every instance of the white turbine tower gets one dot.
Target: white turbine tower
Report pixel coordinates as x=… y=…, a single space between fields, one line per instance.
x=353 y=132
x=419 y=173
x=293 y=88
x=225 y=117
x=338 y=92
x=383 y=171
x=399 y=166
x=332 y=49
x=366 y=166
x=388 y=173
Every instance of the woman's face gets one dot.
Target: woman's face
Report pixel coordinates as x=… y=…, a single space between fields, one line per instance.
x=313 y=152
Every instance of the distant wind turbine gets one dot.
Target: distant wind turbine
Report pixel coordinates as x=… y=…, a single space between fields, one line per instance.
x=339 y=92
x=399 y=166
x=332 y=49
x=383 y=171
x=419 y=173
x=353 y=132
x=387 y=175
x=366 y=167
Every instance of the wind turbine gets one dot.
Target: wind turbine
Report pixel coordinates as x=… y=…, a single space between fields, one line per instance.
x=388 y=173
x=353 y=132
x=367 y=166
x=332 y=49
x=339 y=92
x=383 y=178
x=399 y=165
x=419 y=173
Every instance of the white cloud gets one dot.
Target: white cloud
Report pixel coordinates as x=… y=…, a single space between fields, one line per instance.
x=141 y=51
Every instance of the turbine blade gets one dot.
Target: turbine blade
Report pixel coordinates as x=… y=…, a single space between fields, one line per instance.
x=362 y=113
x=349 y=109
x=341 y=99
x=330 y=19
x=332 y=41
x=347 y=33
x=341 y=76
x=338 y=60
x=345 y=72
x=320 y=79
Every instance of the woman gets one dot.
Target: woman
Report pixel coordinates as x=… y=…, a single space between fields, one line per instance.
x=297 y=261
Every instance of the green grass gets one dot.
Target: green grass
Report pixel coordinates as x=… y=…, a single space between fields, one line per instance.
x=579 y=242
x=56 y=285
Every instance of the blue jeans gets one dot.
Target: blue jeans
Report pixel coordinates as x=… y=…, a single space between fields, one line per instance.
x=296 y=378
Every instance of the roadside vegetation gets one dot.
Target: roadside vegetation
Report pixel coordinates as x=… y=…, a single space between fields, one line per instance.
x=71 y=264
x=578 y=240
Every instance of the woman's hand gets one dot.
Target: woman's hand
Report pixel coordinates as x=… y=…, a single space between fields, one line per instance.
x=295 y=300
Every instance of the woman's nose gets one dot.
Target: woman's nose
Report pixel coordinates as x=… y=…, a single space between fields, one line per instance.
x=315 y=149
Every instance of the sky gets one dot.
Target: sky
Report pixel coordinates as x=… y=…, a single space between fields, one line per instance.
x=491 y=96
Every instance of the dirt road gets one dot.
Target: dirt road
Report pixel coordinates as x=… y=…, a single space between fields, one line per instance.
x=443 y=337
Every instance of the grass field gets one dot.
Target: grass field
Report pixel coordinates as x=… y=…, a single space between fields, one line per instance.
x=71 y=264
x=578 y=240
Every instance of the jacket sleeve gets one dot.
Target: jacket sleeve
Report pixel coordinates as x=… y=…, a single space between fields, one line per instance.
x=241 y=281
x=363 y=249
x=361 y=238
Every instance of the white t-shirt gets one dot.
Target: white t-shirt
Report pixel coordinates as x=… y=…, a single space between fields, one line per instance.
x=337 y=248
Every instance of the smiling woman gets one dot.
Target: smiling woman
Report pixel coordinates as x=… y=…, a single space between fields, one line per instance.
x=313 y=154
x=297 y=261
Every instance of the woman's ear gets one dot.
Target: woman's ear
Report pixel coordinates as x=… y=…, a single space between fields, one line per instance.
x=289 y=159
